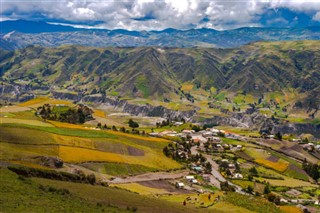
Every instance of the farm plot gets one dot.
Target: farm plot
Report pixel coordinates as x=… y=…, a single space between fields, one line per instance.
x=264 y=158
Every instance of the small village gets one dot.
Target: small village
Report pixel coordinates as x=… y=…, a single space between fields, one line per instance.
x=206 y=156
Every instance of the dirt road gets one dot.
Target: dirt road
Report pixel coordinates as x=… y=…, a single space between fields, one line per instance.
x=150 y=176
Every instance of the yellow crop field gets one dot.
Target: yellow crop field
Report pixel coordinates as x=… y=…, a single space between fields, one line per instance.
x=290 y=209
x=280 y=166
x=76 y=155
x=23 y=121
x=140 y=189
x=187 y=87
x=99 y=113
x=154 y=160
x=73 y=141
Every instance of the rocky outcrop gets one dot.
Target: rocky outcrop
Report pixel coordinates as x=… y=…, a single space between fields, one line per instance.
x=52 y=162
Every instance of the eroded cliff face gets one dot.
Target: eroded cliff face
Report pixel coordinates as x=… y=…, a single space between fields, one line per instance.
x=139 y=110
x=257 y=121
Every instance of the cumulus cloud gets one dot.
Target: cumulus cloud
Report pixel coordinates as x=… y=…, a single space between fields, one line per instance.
x=156 y=14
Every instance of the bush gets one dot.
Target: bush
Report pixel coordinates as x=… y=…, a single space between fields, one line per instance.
x=133 y=124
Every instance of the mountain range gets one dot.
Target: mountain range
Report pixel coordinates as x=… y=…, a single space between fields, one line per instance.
x=20 y=33
x=159 y=73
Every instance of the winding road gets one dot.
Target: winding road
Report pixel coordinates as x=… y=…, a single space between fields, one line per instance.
x=216 y=177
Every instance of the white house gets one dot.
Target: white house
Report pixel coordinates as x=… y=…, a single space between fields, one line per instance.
x=189 y=177
x=213 y=130
x=188 y=132
x=238 y=175
x=194 y=181
x=180 y=185
x=231 y=166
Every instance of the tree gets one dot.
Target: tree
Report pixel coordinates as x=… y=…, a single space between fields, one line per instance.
x=226 y=187
x=278 y=136
x=196 y=128
x=266 y=189
x=208 y=167
x=133 y=124
x=253 y=171
x=249 y=189
x=228 y=172
x=238 y=169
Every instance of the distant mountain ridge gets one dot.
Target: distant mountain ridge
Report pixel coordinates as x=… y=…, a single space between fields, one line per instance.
x=20 y=33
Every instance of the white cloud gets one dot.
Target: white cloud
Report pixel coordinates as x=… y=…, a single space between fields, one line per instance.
x=159 y=14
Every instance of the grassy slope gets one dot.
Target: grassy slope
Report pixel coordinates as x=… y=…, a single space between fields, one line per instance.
x=17 y=195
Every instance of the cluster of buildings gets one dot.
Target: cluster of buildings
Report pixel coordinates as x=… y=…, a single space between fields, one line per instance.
x=189 y=179
x=203 y=136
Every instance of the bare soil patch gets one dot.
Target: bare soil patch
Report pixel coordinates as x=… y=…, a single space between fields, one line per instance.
x=273 y=158
x=293 y=192
x=135 y=152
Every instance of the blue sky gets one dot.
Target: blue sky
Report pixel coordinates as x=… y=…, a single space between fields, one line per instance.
x=162 y=14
